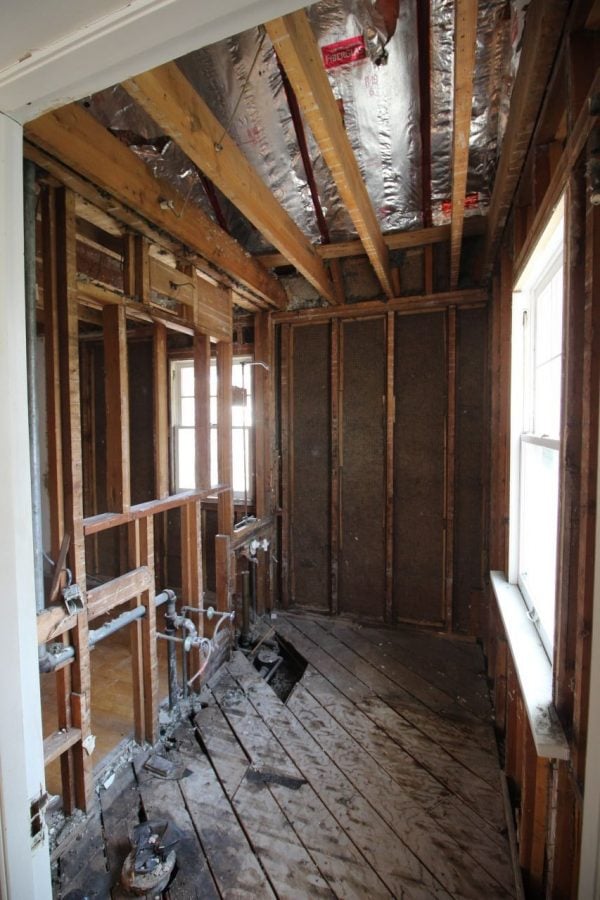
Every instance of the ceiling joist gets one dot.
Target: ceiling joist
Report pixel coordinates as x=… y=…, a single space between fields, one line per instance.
x=83 y=144
x=299 y=54
x=465 y=33
x=169 y=98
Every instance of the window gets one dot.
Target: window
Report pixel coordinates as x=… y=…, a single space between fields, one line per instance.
x=183 y=417
x=535 y=415
x=182 y=423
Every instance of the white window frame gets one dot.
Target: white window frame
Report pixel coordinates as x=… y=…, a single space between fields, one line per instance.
x=177 y=426
x=543 y=265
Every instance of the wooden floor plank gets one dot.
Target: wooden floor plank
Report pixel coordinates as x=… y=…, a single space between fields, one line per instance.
x=232 y=860
x=163 y=799
x=290 y=868
x=392 y=716
x=403 y=873
x=480 y=756
x=464 y=869
x=416 y=782
x=343 y=866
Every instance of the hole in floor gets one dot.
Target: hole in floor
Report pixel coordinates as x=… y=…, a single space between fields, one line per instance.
x=280 y=665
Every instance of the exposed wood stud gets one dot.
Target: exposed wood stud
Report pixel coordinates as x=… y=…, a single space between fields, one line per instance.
x=72 y=479
x=161 y=410
x=224 y=398
x=336 y=535
x=297 y=48
x=465 y=33
x=118 y=490
x=390 y=407
x=202 y=409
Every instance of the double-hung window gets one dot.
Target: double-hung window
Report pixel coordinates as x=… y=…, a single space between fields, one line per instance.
x=535 y=428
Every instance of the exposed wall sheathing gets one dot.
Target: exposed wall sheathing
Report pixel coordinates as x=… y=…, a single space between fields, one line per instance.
x=310 y=466
x=362 y=476
x=468 y=492
x=420 y=390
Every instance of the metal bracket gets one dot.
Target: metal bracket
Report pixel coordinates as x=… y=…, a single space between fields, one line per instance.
x=72 y=599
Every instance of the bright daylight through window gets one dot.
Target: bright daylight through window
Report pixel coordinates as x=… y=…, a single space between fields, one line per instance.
x=535 y=427
x=182 y=421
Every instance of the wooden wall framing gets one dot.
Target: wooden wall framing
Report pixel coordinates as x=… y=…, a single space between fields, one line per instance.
x=547 y=794
x=72 y=302
x=353 y=390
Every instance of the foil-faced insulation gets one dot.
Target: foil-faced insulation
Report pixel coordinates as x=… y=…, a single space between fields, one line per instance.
x=493 y=38
x=379 y=93
x=240 y=81
x=115 y=109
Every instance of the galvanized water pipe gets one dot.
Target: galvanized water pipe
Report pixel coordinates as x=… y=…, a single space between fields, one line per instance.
x=30 y=212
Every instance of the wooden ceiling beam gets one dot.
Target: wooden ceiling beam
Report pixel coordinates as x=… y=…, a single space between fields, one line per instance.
x=299 y=54
x=465 y=34
x=76 y=138
x=171 y=101
x=401 y=240
x=543 y=27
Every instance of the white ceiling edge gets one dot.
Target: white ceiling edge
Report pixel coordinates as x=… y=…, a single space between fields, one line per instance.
x=138 y=37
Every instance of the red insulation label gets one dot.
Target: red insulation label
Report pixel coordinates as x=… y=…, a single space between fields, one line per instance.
x=343 y=52
x=471 y=202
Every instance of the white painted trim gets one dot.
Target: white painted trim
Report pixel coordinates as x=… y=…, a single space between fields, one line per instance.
x=533 y=669
x=133 y=39
x=589 y=866
x=26 y=870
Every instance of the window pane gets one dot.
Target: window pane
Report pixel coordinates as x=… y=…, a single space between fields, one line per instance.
x=238 y=460
x=539 y=518
x=213 y=379
x=213 y=411
x=214 y=457
x=186 y=477
x=187 y=411
x=186 y=374
x=547 y=398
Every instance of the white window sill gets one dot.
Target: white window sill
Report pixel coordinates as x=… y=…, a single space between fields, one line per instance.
x=533 y=669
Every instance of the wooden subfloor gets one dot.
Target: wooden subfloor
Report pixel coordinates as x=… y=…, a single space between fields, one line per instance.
x=378 y=778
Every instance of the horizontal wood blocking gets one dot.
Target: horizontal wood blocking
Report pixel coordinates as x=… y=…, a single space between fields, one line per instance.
x=119 y=590
x=401 y=240
x=59 y=742
x=413 y=304
x=104 y=521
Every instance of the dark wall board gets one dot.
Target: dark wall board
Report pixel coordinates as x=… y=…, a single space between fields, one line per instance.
x=419 y=465
x=362 y=476
x=310 y=461
x=141 y=420
x=468 y=485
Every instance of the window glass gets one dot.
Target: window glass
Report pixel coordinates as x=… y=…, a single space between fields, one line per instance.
x=535 y=427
